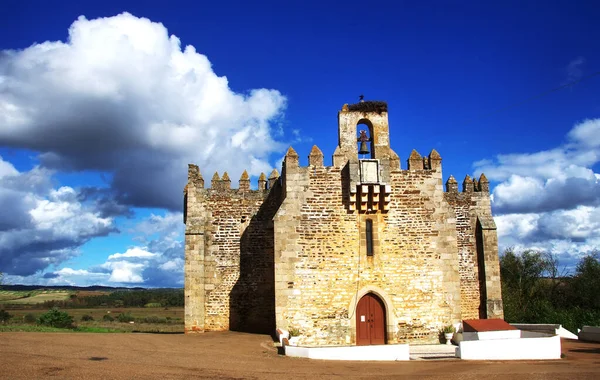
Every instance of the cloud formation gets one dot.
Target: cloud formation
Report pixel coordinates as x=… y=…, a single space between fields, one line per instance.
x=40 y=225
x=121 y=96
x=157 y=262
x=550 y=200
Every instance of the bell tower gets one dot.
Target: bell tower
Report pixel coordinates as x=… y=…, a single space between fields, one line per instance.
x=364 y=146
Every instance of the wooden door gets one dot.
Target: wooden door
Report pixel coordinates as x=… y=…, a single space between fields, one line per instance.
x=370 y=321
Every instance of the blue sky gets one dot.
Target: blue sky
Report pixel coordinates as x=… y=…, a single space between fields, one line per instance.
x=100 y=114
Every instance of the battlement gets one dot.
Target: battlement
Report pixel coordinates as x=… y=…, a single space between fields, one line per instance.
x=315 y=160
x=433 y=161
x=223 y=183
x=469 y=185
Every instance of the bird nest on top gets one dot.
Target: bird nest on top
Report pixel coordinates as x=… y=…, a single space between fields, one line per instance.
x=369 y=106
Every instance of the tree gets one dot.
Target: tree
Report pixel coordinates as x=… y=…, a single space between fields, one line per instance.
x=586 y=282
x=56 y=318
x=525 y=288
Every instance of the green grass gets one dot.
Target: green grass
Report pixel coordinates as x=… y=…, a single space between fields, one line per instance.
x=30 y=328
x=36 y=328
x=171 y=326
x=94 y=329
x=32 y=297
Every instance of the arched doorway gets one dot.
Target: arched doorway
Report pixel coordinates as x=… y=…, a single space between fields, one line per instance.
x=370 y=320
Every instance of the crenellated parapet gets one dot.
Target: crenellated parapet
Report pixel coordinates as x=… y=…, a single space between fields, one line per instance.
x=244 y=182
x=469 y=185
x=431 y=162
x=222 y=184
x=415 y=161
x=194 y=176
x=273 y=177
x=315 y=158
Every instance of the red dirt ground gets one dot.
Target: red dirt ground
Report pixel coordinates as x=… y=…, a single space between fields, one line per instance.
x=230 y=355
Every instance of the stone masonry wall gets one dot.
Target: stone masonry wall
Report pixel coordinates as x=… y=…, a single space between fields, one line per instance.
x=236 y=269
x=473 y=206
x=321 y=267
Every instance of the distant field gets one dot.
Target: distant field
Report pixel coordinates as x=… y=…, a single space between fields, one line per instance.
x=25 y=305
x=174 y=323
x=32 y=297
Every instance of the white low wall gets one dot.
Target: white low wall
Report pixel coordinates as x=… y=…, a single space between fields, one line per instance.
x=590 y=334
x=546 y=328
x=388 y=352
x=491 y=335
x=510 y=349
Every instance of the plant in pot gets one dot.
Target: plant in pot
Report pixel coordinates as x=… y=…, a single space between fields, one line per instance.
x=294 y=336
x=448 y=332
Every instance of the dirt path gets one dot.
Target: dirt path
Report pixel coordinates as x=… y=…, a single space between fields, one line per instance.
x=232 y=355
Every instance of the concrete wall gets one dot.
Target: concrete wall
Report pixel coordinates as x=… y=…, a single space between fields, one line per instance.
x=510 y=349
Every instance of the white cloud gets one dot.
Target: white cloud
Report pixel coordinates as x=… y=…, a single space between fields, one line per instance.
x=41 y=226
x=135 y=252
x=7 y=169
x=122 y=96
x=125 y=272
x=587 y=133
x=557 y=179
x=172 y=265
x=73 y=272
x=549 y=200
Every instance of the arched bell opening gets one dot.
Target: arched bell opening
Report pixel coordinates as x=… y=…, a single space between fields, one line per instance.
x=366 y=147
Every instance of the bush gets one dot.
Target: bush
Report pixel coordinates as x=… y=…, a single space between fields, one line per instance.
x=108 y=318
x=294 y=331
x=29 y=318
x=87 y=317
x=125 y=317
x=56 y=318
x=4 y=316
x=154 y=319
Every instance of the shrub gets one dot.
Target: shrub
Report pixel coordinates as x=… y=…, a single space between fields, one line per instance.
x=448 y=329
x=87 y=317
x=56 y=318
x=107 y=318
x=154 y=319
x=294 y=331
x=4 y=316
x=29 y=318
x=125 y=317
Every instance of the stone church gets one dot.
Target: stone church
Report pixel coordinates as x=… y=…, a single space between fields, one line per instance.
x=360 y=252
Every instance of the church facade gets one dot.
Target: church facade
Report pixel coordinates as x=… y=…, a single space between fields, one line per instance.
x=359 y=252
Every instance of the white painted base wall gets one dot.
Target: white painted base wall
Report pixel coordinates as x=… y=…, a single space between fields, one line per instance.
x=489 y=335
x=388 y=352
x=546 y=328
x=510 y=349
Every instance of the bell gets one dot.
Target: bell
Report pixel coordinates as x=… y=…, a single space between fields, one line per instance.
x=363 y=148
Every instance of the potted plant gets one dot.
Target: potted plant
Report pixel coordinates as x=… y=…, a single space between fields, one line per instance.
x=294 y=336
x=448 y=332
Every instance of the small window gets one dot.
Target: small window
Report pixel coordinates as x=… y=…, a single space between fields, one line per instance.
x=369 y=232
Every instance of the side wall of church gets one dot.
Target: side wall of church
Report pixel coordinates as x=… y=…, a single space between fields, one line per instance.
x=322 y=268
x=231 y=285
x=479 y=267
